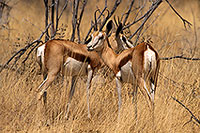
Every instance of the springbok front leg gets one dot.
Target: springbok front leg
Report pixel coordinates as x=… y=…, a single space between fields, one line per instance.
x=118 y=79
x=88 y=85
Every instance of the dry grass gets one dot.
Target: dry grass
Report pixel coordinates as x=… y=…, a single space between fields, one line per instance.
x=177 y=78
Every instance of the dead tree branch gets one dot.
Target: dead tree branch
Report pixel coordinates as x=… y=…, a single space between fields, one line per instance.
x=147 y=15
x=117 y=2
x=46 y=18
x=180 y=57
x=79 y=20
x=92 y=25
x=64 y=7
x=153 y=21
x=153 y=7
x=184 y=20
x=57 y=7
x=52 y=18
x=74 y=18
x=128 y=12
x=19 y=53
x=192 y=115
x=135 y=21
x=59 y=16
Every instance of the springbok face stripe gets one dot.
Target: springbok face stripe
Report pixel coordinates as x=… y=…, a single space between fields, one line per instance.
x=96 y=38
x=126 y=43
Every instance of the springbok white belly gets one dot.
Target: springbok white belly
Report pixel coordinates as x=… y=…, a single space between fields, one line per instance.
x=74 y=67
x=126 y=72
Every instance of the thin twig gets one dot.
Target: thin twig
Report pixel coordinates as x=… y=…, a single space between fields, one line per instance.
x=128 y=12
x=74 y=18
x=117 y=2
x=66 y=2
x=151 y=10
x=80 y=18
x=148 y=26
x=92 y=25
x=135 y=21
x=38 y=42
x=180 y=57
x=57 y=20
x=23 y=50
x=192 y=115
x=46 y=18
x=52 y=18
x=184 y=20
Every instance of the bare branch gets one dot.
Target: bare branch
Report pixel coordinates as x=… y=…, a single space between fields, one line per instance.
x=57 y=7
x=38 y=42
x=74 y=18
x=184 y=20
x=192 y=115
x=150 y=12
x=117 y=2
x=19 y=53
x=66 y=3
x=58 y=17
x=128 y=12
x=135 y=21
x=57 y=20
x=147 y=27
x=52 y=18
x=4 y=4
x=180 y=57
x=92 y=25
x=80 y=18
x=46 y=18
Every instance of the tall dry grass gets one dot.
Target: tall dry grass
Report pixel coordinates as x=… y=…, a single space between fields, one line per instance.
x=178 y=78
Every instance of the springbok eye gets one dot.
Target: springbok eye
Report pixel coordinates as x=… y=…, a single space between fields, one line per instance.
x=100 y=38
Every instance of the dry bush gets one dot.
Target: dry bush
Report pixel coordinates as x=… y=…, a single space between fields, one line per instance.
x=178 y=78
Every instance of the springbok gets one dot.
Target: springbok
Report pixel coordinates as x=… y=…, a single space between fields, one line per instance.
x=70 y=64
x=118 y=44
x=134 y=65
x=72 y=57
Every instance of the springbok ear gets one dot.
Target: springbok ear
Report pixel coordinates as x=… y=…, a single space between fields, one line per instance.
x=119 y=29
x=109 y=27
x=88 y=40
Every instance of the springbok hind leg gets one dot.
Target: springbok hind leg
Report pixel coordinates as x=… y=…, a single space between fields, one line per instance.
x=71 y=93
x=149 y=99
x=45 y=85
x=42 y=99
x=152 y=102
x=134 y=101
x=144 y=90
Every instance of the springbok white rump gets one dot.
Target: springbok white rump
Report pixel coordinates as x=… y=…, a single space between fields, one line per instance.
x=143 y=60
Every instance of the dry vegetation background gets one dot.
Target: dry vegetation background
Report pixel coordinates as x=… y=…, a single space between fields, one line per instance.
x=178 y=78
